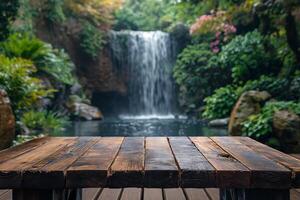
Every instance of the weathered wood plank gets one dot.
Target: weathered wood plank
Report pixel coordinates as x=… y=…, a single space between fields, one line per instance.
x=230 y=172
x=90 y=193
x=127 y=169
x=131 y=194
x=153 y=194
x=91 y=169
x=213 y=193
x=196 y=194
x=18 y=150
x=3 y=191
x=110 y=194
x=160 y=166
x=11 y=170
x=195 y=172
x=50 y=172
x=265 y=173
x=273 y=154
x=295 y=156
x=174 y=194
x=294 y=195
x=6 y=196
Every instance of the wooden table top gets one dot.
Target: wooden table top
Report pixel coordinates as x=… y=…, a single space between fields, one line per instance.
x=199 y=162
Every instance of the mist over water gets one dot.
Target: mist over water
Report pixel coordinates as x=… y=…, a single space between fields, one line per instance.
x=149 y=58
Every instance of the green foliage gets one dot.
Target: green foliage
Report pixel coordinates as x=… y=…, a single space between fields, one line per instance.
x=22 y=88
x=8 y=13
x=25 y=18
x=260 y=126
x=277 y=87
x=247 y=57
x=142 y=15
x=44 y=121
x=294 y=89
x=25 y=138
x=197 y=73
x=53 y=62
x=58 y=64
x=220 y=104
x=92 y=40
x=54 y=11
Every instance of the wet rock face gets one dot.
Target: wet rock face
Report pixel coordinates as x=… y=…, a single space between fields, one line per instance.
x=286 y=127
x=7 y=121
x=248 y=104
x=85 y=111
x=219 y=122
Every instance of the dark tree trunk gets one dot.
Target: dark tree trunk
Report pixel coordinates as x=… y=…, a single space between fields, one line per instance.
x=292 y=40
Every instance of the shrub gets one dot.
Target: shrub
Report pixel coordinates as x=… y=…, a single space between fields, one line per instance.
x=16 y=78
x=91 y=40
x=197 y=73
x=54 y=11
x=220 y=104
x=277 y=87
x=246 y=57
x=260 y=126
x=43 y=122
x=52 y=61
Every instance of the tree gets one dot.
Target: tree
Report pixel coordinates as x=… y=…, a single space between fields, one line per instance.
x=8 y=13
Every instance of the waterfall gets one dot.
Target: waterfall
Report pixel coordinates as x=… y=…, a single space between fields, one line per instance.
x=148 y=58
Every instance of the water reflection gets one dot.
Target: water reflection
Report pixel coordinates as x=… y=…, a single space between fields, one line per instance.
x=142 y=127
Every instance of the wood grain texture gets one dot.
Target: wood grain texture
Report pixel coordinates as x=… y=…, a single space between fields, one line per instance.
x=153 y=194
x=50 y=172
x=91 y=169
x=196 y=194
x=230 y=172
x=195 y=170
x=213 y=193
x=174 y=194
x=265 y=173
x=18 y=150
x=110 y=194
x=131 y=194
x=127 y=169
x=288 y=161
x=11 y=171
x=90 y=193
x=6 y=196
x=160 y=166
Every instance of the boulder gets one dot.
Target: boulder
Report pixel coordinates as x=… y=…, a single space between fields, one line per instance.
x=219 y=122
x=85 y=111
x=248 y=104
x=7 y=121
x=286 y=127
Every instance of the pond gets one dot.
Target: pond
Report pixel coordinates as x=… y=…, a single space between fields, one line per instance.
x=143 y=126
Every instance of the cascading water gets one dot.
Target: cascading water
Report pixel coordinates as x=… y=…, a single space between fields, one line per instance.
x=149 y=59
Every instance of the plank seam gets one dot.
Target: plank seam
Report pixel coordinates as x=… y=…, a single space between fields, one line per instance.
x=32 y=164
x=252 y=147
x=177 y=163
x=109 y=170
x=185 y=194
x=66 y=169
x=207 y=193
x=252 y=171
x=231 y=155
x=98 y=193
x=120 y=194
x=28 y=150
x=144 y=161
x=203 y=155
